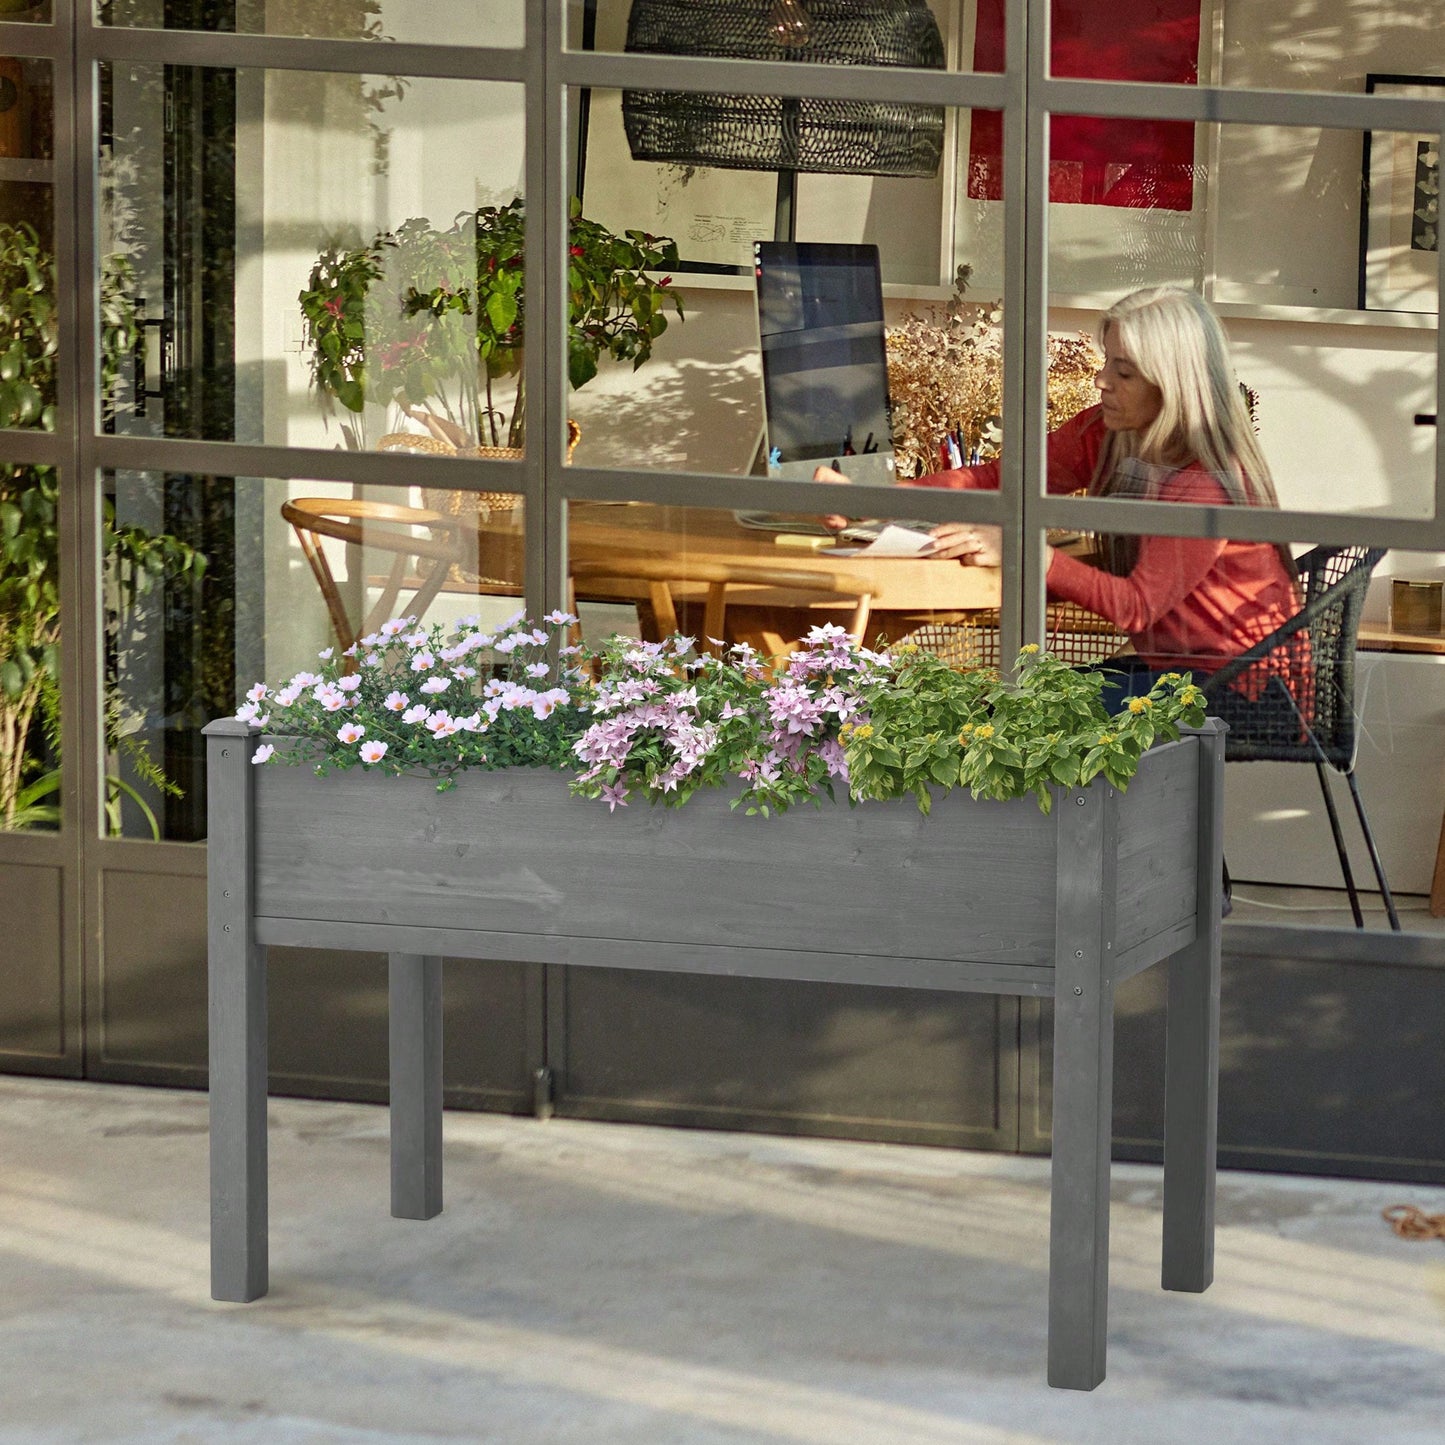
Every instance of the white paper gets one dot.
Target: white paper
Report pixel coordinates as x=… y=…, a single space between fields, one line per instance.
x=892 y=542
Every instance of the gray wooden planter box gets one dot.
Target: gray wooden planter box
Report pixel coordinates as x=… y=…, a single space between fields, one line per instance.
x=979 y=897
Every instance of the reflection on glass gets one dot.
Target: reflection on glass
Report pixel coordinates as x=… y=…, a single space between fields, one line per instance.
x=31 y=12
x=28 y=321
x=421 y=22
x=305 y=263
x=924 y=35
x=216 y=583
x=29 y=648
x=763 y=580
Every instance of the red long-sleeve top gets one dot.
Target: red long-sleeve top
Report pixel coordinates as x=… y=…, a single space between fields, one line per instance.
x=1190 y=602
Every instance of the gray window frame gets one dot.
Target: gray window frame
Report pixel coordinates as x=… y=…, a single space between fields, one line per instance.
x=551 y=75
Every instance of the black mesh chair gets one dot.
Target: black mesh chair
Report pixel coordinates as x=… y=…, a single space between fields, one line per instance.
x=1305 y=712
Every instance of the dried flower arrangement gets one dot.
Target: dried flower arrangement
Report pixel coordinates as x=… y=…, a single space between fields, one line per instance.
x=945 y=376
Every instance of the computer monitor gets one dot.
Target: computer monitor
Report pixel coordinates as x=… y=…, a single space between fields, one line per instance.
x=825 y=365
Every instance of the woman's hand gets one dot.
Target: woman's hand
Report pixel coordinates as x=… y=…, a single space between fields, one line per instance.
x=833 y=522
x=969 y=543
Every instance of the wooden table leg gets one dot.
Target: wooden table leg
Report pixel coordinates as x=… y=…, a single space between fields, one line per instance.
x=415 y=1032
x=237 y=1022
x=1191 y=1061
x=1083 y=1090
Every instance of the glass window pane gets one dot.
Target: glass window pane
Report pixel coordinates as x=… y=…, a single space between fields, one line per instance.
x=28 y=319
x=29 y=648
x=216 y=583
x=423 y=22
x=31 y=12
x=699 y=401
x=314 y=260
x=1238 y=43
x=1271 y=229
x=925 y=34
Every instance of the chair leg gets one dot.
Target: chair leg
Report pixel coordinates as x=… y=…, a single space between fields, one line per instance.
x=1375 y=862
x=1344 y=857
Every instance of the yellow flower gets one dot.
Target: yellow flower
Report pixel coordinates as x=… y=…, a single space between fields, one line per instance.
x=1190 y=695
x=1139 y=704
x=964 y=733
x=1105 y=739
x=845 y=730
x=1029 y=647
x=1172 y=677
x=986 y=731
x=866 y=731
x=906 y=647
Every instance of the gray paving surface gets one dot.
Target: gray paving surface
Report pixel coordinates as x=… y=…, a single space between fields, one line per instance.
x=600 y=1283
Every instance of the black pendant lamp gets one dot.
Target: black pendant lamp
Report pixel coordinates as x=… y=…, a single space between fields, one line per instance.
x=765 y=133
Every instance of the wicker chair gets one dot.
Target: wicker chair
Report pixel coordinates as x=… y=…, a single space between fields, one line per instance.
x=1071 y=633
x=1306 y=711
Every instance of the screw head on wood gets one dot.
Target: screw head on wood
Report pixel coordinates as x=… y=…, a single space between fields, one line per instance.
x=225 y=752
x=225 y=928
x=1078 y=953
x=1077 y=989
x=1080 y=801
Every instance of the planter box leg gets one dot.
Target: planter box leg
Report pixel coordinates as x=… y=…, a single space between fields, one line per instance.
x=1083 y=1091
x=1191 y=1066
x=416 y=1085
x=236 y=969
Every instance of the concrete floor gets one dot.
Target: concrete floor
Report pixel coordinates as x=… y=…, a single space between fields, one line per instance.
x=608 y=1283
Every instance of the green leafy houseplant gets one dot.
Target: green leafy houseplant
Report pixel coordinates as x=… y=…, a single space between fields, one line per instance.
x=135 y=561
x=450 y=322
x=661 y=721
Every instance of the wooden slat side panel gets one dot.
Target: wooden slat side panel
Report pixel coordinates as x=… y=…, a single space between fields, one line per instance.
x=515 y=852
x=1158 y=842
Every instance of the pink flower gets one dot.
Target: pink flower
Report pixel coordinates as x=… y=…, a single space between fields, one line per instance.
x=263 y=753
x=419 y=713
x=436 y=684
x=373 y=752
x=396 y=701
x=349 y=683
x=350 y=733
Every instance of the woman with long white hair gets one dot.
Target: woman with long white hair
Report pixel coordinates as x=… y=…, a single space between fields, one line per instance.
x=1170 y=425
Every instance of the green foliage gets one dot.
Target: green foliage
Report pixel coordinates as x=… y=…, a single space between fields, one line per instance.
x=932 y=728
x=452 y=319
x=29 y=505
x=29 y=329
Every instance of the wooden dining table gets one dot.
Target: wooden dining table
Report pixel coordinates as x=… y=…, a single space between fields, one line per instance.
x=905 y=591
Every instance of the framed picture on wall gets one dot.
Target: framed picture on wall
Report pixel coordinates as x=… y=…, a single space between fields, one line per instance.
x=1400 y=214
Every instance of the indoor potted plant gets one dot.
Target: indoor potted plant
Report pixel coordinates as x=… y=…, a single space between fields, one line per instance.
x=442 y=338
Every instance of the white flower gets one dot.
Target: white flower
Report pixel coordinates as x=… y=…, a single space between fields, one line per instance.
x=349 y=683
x=390 y=629
x=247 y=712
x=373 y=752
x=560 y=619
x=436 y=684
x=396 y=701
x=332 y=701
x=421 y=661
x=414 y=639
x=472 y=723
x=262 y=753
x=287 y=696
x=463 y=673
x=325 y=654
x=416 y=714
x=537 y=669
x=258 y=692
x=351 y=732
x=442 y=725
x=371 y=659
